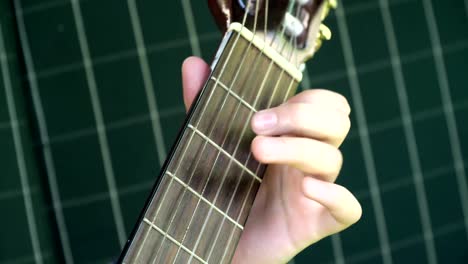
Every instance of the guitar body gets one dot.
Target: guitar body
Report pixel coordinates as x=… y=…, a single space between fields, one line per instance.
x=199 y=205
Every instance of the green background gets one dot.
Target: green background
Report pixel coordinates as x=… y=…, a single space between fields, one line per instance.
x=66 y=177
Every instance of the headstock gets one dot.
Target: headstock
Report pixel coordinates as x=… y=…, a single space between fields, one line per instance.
x=292 y=27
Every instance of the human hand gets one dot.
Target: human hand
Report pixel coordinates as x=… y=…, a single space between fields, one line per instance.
x=298 y=202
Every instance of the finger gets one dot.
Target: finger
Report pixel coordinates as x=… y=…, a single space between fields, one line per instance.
x=340 y=203
x=305 y=120
x=308 y=155
x=194 y=74
x=323 y=98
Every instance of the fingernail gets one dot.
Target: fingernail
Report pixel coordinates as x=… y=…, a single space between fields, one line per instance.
x=264 y=120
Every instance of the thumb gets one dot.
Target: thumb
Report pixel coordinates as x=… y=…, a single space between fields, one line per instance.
x=194 y=74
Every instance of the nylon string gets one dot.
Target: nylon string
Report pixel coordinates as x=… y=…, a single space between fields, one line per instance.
x=237 y=145
x=224 y=139
x=230 y=163
x=243 y=131
x=190 y=140
x=249 y=155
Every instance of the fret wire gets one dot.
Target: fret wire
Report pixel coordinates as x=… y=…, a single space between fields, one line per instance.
x=203 y=111
x=249 y=75
x=215 y=145
x=213 y=124
x=217 y=115
x=256 y=99
x=256 y=171
x=216 y=119
x=216 y=84
x=234 y=95
x=256 y=177
x=230 y=126
x=204 y=199
x=152 y=225
x=238 y=143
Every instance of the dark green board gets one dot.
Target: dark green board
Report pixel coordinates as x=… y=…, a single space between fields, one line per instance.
x=405 y=157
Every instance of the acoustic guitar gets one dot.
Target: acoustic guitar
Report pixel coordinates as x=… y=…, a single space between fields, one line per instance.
x=198 y=207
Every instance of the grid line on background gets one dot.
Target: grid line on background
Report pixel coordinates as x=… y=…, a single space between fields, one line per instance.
x=448 y=108
x=138 y=187
x=329 y=76
x=171 y=44
x=161 y=57
x=148 y=81
x=44 y=135
x=100 y=124
x=338 y=253
x=410 y=137
x=191 y=28
x=152 y=48
x=369 y=162
x=124 y=123
x=25 y=186
x=466 y=8
x=422 y=116
x=178 y=110
x=356 y=8
x=399 y=184
x=404 y=243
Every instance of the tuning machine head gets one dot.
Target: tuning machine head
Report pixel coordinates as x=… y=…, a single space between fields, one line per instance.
x=292 y=27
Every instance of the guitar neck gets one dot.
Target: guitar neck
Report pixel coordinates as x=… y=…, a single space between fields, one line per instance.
x=197 y=210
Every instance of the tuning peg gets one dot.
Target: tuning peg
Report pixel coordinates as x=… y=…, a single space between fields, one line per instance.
x=324 y=34
x=331 y=4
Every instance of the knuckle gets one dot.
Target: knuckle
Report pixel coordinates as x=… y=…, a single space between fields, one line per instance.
x=317 y=95
x=294 y=117
x=341 y=101
x=344 y=126
x=344 y=103
x=339 y=127
x=338 y=160
x=334 y=161
x=357 y=212
x=299 y=115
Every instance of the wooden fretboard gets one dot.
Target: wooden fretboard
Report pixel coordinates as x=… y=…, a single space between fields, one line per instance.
x=200 y=204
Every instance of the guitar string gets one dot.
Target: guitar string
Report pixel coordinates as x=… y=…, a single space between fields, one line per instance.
x=270 y=102
x=201 y=232
x=190 y=139
x=248 y=157
x=213 y=125
x=251 y=113
x=205 y=143
x=240 y=138
x=221 y=145
x=219 y=228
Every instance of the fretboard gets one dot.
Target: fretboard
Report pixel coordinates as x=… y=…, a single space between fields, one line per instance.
x=198 y=208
